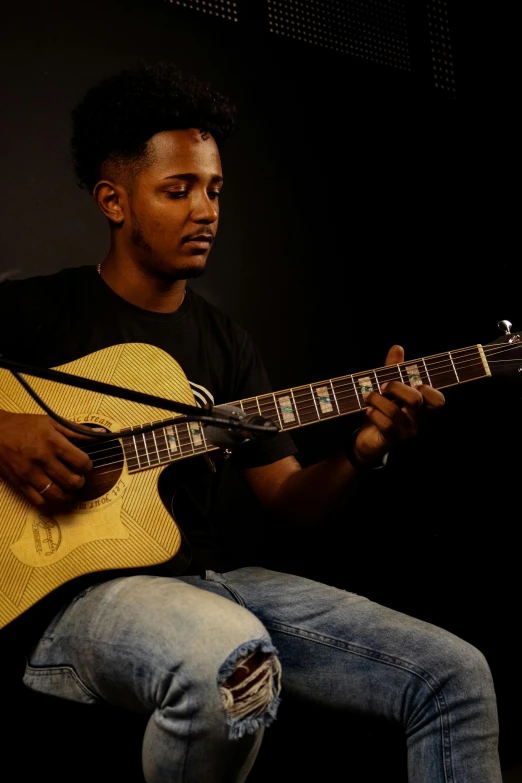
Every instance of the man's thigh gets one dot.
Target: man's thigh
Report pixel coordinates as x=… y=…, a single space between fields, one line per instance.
x=121 y=641
x=342 y=647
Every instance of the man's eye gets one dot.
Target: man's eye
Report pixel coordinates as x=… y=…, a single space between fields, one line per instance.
x=176 y=193
x=214 y=194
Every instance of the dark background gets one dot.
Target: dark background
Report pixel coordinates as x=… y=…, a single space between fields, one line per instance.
x=364 y=205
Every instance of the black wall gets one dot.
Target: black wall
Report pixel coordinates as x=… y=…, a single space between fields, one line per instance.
x=362 y=207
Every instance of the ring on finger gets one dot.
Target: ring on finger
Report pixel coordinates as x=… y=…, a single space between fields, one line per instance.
x=45 y=488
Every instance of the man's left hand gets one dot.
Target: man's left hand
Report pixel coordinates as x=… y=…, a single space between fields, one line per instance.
x=393 y=415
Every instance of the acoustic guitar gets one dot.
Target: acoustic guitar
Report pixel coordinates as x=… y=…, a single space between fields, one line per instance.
x=118 y=519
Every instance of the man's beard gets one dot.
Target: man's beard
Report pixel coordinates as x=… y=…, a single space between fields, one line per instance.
x=163 y=275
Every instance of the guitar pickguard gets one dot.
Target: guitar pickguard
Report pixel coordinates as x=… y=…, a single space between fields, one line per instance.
x=47 y=539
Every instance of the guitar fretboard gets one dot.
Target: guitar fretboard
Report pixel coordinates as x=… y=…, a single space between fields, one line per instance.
x=308 y=404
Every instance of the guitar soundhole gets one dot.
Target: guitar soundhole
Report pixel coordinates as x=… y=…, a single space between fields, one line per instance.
x=107 y=466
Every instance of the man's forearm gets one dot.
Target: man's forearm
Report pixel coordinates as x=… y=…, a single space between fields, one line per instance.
x=310 y=494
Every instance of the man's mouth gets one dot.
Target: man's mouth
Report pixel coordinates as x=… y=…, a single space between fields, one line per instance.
x=203 y=240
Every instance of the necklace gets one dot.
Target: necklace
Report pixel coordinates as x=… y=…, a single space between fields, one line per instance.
x=184 y=290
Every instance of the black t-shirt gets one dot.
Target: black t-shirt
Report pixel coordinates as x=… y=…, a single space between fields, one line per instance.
x=51 y=320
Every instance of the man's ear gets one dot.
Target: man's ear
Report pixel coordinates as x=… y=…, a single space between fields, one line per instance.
x=111 y=199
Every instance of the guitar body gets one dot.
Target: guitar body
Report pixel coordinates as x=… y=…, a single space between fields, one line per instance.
x=119 y=520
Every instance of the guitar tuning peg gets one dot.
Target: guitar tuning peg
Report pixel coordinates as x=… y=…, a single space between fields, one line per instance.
x=505 y=326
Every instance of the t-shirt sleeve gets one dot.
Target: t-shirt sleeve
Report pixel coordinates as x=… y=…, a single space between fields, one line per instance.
x=251 y=381
x=11 y=321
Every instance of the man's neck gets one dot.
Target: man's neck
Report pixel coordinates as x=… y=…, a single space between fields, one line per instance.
x=141 y=289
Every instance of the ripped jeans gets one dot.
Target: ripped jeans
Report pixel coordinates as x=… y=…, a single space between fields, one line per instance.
x=172 y=648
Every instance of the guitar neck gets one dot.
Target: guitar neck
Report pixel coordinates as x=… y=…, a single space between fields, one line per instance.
x=303 y=405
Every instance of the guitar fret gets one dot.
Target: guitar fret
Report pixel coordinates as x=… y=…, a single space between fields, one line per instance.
x=141 y=450
x=156 y=444
x=470 y=363
x=414 y=374
x=250 y=407
x=152 y=448
x=388 y=374
x=182 y=439
x=315 y=403
x=453 y=365
x=305 y=404
x=172 y=442
x=365 y=384
x=295 y=407
x=163 y=447
x=377 y=380
x=356 y=392
x=197 y=437
x=441 y=370
x=191 y=442
x=267 y=407
x=286 y=410
x=343 y=397
x=323 y=395
x=144 y=438
x=131 y=455
x=277 y=411
x=400 y=373
x=335 y=398
x=427 y=373
x=136 y=450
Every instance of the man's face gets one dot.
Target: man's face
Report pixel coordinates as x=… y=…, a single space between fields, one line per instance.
x=173 y=205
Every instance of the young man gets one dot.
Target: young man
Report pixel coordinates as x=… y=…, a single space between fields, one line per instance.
x=205 y=653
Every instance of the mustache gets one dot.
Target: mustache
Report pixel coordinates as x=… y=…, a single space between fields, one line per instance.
x=203 y=233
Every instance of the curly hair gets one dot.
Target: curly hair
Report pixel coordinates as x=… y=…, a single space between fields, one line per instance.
x=117 y=117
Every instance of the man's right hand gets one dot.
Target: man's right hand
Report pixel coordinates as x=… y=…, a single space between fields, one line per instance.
x=36 y=450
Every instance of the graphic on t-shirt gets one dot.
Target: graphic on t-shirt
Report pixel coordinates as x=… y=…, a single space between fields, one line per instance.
x=202 y=396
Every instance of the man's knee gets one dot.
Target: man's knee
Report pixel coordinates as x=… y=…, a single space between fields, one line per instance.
x=472 y=671
x=459 y=671
x=232 y=669
x=249 y=682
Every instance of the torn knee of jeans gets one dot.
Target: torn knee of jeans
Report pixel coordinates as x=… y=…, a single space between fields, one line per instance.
x=250 y=685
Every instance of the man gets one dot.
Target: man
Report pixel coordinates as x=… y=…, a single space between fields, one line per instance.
x=205 y=653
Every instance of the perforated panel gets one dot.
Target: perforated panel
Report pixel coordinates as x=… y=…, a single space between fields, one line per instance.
x=225 y=9
x=372 y=29
x=441 y=54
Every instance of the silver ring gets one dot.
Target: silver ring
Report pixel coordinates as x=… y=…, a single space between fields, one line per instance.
x=45 y=488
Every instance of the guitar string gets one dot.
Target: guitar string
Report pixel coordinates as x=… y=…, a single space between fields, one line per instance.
x=339 y=396
x=340 y=387
x=348 y=383
x=191 y=449
x=303 y=410
x=161 y=455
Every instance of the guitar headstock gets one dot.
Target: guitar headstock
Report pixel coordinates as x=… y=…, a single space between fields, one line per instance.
x=504 y=355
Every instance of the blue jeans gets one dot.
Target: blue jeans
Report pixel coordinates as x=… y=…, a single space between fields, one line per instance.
x=167 y=647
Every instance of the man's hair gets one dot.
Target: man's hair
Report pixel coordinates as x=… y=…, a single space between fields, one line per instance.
x=118 y=116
